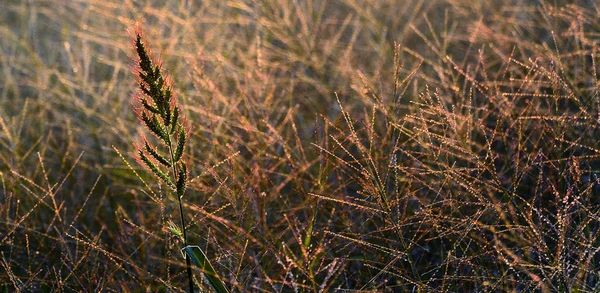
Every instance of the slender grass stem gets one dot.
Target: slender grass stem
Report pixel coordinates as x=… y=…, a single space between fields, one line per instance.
x=159 y=112
x=188 y=264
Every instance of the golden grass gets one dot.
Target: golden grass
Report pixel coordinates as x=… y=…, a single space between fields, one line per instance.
x=335 y=145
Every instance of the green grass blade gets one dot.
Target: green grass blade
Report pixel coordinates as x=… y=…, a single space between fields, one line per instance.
x=198 y=257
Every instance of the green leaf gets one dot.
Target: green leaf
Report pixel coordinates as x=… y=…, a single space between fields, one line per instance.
x=198 y=257
x=308 y=237
x=175 y=230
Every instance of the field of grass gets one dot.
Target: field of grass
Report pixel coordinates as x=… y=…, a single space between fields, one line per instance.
x=332 y=146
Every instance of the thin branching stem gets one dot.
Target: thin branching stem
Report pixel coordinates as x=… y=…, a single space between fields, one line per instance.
x=188 y=264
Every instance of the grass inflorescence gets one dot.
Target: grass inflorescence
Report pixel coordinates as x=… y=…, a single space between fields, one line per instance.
x=158 y=110
x=160 y=114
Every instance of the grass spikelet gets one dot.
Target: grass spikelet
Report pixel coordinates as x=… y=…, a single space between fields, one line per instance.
x=180 y=144
x=155 y=169
x=156 y=155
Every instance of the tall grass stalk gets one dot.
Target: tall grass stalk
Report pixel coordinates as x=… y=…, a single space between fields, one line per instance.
x=157 y=108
